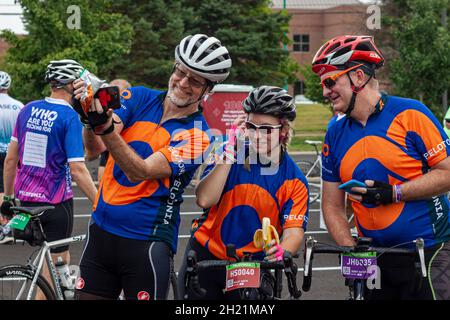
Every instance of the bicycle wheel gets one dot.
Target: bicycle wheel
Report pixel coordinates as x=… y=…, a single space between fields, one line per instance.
x=308 y=169
x=15 y=284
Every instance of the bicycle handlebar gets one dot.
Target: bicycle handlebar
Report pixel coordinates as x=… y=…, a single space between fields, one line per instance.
x=312 y=246
x=192 y=279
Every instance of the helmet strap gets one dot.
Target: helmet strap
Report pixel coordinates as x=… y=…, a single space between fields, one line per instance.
x=355 y=90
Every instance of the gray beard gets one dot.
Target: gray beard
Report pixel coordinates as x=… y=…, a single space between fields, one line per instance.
x=180 y=103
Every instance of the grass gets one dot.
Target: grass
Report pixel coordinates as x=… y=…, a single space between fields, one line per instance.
x=310 y=124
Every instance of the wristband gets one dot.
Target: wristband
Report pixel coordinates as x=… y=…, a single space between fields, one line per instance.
x=398 y=193
x=8 y=198
x=107 y=131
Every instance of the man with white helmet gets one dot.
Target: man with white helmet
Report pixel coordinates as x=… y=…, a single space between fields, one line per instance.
x=9 y=110
x=157 y=140
x=45 y=154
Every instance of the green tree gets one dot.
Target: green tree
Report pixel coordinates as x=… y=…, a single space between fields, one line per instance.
x=253 y=33
x=158 y=27
x=313 y=89
x=419 y=50
x=100 y=39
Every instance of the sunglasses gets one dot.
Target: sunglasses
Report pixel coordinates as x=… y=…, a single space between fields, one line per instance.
x=330 y=81
x=192 y=81
x=266 y=127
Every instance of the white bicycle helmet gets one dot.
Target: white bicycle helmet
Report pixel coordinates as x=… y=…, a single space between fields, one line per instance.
x=270 y=100
x=5 y=80
x=63 y=71
x=204 y=56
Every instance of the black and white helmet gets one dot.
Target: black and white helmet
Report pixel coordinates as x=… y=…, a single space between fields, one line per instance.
x=63 y=71
x=204 y=56
x=5 y=80
x=270 y=100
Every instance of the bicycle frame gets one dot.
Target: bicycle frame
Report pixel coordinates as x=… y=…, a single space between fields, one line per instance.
x=38 y=263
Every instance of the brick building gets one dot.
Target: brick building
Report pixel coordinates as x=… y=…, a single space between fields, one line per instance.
x=315 y=21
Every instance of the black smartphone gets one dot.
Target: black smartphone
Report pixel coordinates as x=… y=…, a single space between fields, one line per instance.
x=109 y=97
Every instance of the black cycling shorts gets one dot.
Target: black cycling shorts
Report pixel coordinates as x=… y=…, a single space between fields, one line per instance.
x=401 y=280
x=2 y=160
x=110 y=264
x=57 y=223
x=103 y=159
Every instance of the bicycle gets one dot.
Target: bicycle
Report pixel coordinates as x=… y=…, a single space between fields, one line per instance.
x=27 y=277
x=313 y=173
x=271 y=289
x=357 y=284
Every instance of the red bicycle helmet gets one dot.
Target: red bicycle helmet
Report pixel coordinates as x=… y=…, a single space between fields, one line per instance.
x=342 y=52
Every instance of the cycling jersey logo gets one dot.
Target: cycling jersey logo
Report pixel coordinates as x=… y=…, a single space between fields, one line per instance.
x=80 y=283
x=325 y=150
x=126 y=94
x=143 y=295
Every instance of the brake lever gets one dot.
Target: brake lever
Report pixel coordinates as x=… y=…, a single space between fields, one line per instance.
x=420 y=247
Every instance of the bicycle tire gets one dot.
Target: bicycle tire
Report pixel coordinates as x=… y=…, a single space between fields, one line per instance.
x=305 y=167
x=28 y=274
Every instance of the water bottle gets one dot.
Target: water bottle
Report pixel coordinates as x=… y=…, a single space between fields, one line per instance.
x=66 y=280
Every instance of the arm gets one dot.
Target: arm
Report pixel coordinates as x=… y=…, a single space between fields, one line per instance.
x=136 y=169
x=333 y=206
x=10 y=168
x=433 y=183
x=94 y=144
x=82 y=177
x=210 y=189
x=292 y=239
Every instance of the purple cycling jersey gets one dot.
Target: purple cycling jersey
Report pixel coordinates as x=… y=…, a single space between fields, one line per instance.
x=48 y=133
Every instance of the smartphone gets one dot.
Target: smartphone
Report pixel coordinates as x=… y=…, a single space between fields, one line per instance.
x=109 y=97
x=350 y=184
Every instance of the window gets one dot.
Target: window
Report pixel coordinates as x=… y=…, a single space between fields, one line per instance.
x=301 y=43
x=299 y=88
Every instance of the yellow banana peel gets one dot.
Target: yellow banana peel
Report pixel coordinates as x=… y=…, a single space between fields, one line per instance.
x=264 y=236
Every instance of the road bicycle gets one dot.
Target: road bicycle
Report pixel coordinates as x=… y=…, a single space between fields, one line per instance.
x=313 y=173
x=356 y=262
x=270 y=287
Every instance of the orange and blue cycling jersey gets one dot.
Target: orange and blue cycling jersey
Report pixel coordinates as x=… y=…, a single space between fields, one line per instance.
x=150 y=209
x=400 y=142
x=247 y=198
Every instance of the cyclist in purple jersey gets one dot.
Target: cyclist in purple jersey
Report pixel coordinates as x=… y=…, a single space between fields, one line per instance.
x=398 y=149
x=45 y=154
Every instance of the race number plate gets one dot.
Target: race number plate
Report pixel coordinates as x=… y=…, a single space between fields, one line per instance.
x=20 y=221
x=358 y=265
x=243 y=275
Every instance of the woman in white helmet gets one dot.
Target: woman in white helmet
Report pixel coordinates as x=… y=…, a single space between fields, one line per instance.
x=156 y=141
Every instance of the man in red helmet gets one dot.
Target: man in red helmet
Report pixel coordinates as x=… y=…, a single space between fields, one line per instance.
x=398 y=149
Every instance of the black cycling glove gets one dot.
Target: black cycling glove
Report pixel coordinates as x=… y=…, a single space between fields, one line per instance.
x=5 y=208
x=380 y=193
x=76 y=105
x=97 y=121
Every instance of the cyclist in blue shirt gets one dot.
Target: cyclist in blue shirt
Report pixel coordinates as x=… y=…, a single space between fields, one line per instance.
x=45 y=154
x=156 y=142
x=398 y=148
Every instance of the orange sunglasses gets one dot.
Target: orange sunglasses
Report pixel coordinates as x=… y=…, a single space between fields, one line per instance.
x=330 y=81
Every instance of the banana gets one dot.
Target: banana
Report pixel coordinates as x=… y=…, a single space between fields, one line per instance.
x=264 y=236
